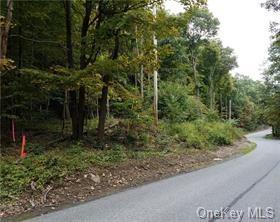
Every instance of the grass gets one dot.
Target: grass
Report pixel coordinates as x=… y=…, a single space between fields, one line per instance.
x=202 y=134
x=271 y=137
x=248 y=149
x=52 y=166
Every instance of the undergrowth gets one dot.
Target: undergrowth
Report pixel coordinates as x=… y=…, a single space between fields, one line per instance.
x=203 y=134
x=50 y=166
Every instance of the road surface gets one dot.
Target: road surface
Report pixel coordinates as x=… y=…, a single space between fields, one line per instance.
x=247 y=187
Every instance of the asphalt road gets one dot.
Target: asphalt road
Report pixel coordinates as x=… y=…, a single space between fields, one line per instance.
x=248 y=186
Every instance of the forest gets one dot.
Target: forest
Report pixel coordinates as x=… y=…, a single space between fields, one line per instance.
x=96 y=82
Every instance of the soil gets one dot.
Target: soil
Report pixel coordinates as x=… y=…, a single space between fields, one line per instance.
x=97 y=182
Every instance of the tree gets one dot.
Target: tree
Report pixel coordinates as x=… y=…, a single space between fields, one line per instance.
x=202 y=26
x=5 y=25
x=215 y=62
x=272 y=75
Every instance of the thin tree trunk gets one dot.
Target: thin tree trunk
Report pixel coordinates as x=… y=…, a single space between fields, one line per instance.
x=5 y=28
x=73 y=113
x=67 y=111
x=226 y=106
x=48 y=105
x=211 y=91
x=140 y=52
x=83 y=64
x=70 y=65
x=137 y=54
x=108 y=107
x=229 y=112
x=32 y=46
x=81 y=111
x=142 y=81
x=197 y=92
x=221 y=104
x=149 y=83
x=155 y=75
x=63 y=113
x=105 y=89
x=135 y=80
x=102 y=112
x=97 y=109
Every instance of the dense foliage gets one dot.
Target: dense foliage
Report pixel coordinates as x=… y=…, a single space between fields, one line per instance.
x=85 y=70
x=100 y=63
x=272 y=74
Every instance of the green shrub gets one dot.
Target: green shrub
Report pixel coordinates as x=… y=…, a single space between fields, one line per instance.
x=212 y=116
x=177 y=105
x=35 y=149
x=203 y=134
x=220 y=133
x=125 y=109
x=111 y=156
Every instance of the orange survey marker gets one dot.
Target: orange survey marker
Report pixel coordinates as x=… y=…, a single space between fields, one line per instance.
x=23 y=152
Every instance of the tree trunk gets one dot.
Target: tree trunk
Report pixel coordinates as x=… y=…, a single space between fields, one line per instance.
x=229 y=108
x=4 y=33
x=81 y=111
x=77 y=107
x=155 y=75
x=226 y=106
x=108 y=107
x=149 y=83
x=102 y=109
x=67 y=111
x=141 y=71
x=221 y=105
x=74 y=112
x=197 y=92
x=70 y=64
x=136 y=75
x=212 y=93
x=142 y=81
x=83 y=64
x=105 y=89
x=97 y=109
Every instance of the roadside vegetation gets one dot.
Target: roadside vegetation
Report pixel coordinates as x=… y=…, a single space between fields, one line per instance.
x=78 y=77
x=249 y=148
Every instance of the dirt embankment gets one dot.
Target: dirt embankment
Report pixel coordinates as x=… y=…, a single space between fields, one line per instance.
x=101 y=181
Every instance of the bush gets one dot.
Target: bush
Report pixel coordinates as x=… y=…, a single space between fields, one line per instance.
x=221 y=133
x=35 y=149
x=177 y=105
x=134 y=132
x=204 y=134
x=188 y=133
